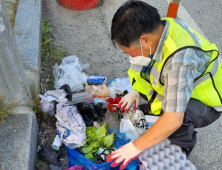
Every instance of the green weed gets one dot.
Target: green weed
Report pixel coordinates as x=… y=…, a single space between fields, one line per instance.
x=101 y=3
x=5 y=109
x=37 y=164
x=50 y=55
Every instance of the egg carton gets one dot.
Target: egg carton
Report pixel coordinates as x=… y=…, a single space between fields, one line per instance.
x=165 y=156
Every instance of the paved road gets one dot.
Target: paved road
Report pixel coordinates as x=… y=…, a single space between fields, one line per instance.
x=86 y=34
x=207 y=15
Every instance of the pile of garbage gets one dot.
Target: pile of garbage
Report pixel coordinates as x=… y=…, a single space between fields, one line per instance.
x=78 y=112
x=78 y=115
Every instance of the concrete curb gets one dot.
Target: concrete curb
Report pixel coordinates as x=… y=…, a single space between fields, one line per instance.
x=19 y=132
x=28 y=35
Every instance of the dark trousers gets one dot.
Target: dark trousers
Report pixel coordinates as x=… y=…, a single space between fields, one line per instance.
x=197 y=115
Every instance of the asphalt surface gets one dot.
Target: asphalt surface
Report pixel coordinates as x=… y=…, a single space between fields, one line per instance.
x=87 y=35
x=208 y=151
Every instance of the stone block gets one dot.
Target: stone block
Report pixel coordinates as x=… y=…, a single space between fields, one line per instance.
x=19 y=134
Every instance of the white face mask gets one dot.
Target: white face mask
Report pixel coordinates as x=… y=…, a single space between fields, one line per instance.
x=140 y=60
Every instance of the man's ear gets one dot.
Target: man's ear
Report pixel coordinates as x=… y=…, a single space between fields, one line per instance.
x=146 y=41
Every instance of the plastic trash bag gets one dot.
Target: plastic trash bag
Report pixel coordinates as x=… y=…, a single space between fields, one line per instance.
x=50 y=99
x=119 y=85
x=98 y=90
x=76 y=168
x=67 y=89
x=139 y=121
x=70 y=72
x=76 y=157
x=127 y=127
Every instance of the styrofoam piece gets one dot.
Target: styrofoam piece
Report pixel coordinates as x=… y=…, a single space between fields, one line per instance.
x=161 y=154
x=165 y=156
x=171 y=158
x=166 y=162
x=156 y=148
x=145 y=154
x=154 y=167
x=155 y=158
x=176 y=165
x=172 y=148
x=144 y=163
x=166 y=151
x=162 y=145
x=171 y=168
x=160 y=165
x=182 y=162
x=149 y=162
x=150 y=151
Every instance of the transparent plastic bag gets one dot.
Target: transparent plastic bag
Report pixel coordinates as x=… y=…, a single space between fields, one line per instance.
x=127 y=127
x=98 y=90
x=70 y=72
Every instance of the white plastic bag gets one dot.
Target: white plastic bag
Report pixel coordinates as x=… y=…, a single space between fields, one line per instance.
x=127 y=127
x=70 y=72
x=139 y=121
x=134 y=125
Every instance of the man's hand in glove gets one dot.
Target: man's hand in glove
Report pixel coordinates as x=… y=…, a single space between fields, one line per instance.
x=124 y=155
x=49 y=155
x=128 y=100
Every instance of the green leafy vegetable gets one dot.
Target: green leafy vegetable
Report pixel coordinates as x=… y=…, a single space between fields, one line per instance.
x=93 y=145
x=108 y=141
x=90 y=156
x=97 y=138
x=101 y=131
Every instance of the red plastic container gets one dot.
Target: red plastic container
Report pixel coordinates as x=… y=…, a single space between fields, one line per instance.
x=78 y=5
x=112 y=102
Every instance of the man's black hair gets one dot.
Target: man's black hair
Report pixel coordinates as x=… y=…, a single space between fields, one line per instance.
x=133 y=19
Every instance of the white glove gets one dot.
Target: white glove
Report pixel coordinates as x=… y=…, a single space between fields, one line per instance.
x=128 y=100
x=123 y=155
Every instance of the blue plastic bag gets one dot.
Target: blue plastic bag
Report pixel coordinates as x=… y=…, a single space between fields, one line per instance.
x=76 y=157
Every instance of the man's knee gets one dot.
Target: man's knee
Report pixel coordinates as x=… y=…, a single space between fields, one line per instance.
x=200 y=114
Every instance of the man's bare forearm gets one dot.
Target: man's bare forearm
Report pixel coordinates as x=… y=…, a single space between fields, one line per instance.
x=160 y=130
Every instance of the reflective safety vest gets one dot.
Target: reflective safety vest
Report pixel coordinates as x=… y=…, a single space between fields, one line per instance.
x=207 y=87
